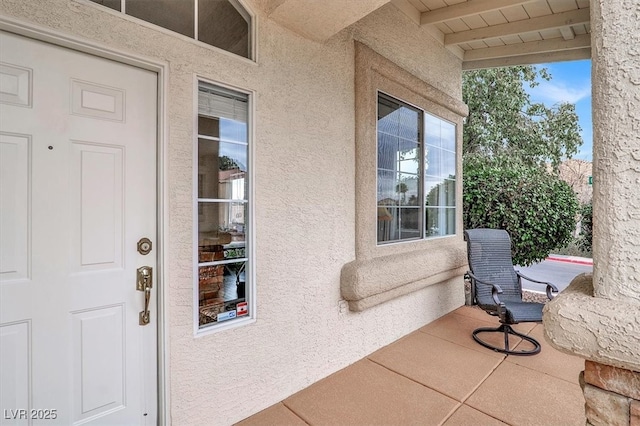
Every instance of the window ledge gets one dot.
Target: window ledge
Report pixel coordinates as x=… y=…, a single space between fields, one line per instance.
x=366 y=283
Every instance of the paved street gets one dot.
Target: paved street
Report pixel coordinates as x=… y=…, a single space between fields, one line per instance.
x=557 y=272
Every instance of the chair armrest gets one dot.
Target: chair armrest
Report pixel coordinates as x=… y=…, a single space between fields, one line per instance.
x=495 y=289
x=550 y=287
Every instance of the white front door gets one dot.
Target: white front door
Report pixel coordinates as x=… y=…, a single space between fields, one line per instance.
x=77 y=193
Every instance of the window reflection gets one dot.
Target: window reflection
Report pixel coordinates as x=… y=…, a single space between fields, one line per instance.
x=440 y=221
x=223 y=170
x=222 y=204
x=416 y=177
x=221 y=223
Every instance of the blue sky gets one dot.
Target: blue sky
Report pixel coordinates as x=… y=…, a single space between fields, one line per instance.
x=570 y=82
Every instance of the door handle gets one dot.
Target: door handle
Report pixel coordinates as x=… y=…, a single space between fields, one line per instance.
x=144 y=283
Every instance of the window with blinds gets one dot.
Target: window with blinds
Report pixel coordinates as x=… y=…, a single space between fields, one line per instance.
x=223 y=261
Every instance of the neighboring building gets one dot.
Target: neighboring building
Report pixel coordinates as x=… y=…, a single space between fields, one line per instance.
x=142 y=283
x=579 y=175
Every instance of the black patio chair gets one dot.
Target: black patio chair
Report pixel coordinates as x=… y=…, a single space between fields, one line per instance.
x=497 y=287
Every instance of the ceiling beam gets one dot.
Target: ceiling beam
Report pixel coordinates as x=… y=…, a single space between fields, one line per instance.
x=558 y=20
x=538 y=58
x=567 y=33
x=530 y=48
x=461 y=10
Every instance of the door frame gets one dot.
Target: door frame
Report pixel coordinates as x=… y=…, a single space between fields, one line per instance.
x=161 y=68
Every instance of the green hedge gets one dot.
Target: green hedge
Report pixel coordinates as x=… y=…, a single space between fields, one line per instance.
x=534 y=206
x=586 y=227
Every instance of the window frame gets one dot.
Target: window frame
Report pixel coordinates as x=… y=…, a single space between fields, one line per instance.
x=250 y=250
x=422 y=143
x=375 y=73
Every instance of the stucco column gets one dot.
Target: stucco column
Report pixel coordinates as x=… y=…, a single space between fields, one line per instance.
x=615 y=40
x=598 y=317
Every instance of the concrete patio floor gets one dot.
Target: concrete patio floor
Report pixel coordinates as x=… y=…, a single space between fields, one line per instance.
x=438 y=375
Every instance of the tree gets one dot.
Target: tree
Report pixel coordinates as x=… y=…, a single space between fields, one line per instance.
x=536 y=207
x=503 y=120
x=508 y=145
x=227 y=163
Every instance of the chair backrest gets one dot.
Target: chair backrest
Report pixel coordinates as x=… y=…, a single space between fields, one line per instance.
x=489 y=255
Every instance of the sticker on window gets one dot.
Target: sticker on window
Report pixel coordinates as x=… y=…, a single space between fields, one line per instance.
x=242 y=309
x=226 y=316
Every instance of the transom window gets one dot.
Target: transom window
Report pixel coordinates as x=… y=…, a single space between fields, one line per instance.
x=221 y=23
x=416 y=173
x=223 y=251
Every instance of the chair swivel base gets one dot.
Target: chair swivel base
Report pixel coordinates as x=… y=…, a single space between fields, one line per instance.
x=506 y=329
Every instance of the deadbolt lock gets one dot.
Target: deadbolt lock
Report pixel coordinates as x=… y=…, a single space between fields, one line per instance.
x=144 y=246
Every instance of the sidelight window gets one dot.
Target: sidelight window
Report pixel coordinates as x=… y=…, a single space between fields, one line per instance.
x=222 y=203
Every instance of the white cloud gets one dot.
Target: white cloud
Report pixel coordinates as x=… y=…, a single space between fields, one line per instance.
x=556 y=92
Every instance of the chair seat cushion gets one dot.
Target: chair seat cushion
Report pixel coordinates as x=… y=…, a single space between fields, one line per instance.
x=523 y=312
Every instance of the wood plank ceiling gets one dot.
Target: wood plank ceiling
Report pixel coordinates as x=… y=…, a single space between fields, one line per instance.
x=490 y=33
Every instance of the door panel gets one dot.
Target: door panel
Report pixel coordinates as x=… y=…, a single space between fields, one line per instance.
x=15 y=388
x=78 y=190
x=14 y=199
x=97 y=179
x=98 y=368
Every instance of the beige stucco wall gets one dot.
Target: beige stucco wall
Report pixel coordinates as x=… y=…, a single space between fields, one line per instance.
x=305 y=203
